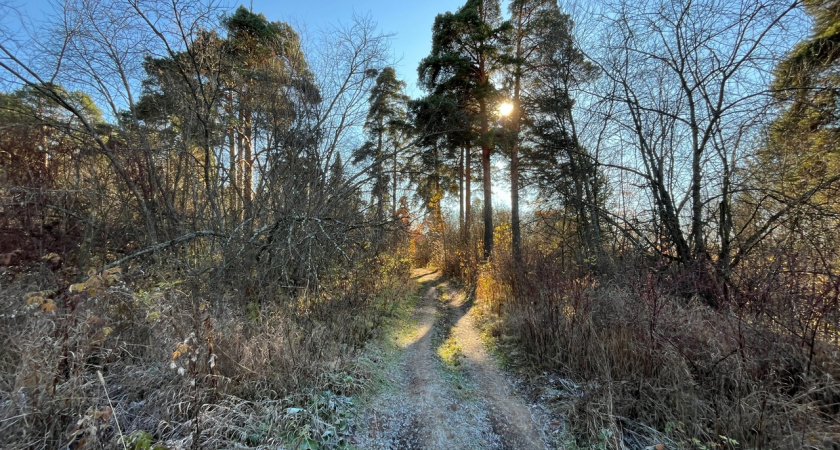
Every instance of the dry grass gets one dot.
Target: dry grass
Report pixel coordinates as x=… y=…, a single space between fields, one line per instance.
x=655 y=367
x=185 y=363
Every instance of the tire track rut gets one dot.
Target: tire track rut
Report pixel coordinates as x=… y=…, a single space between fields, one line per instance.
x=430 y=407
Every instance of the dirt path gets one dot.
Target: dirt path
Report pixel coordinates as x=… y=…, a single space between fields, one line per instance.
x=458 y=400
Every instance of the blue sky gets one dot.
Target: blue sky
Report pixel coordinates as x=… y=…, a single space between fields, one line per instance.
x=409 y=21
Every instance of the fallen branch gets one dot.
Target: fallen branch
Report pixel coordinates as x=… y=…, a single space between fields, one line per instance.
x=163 y=245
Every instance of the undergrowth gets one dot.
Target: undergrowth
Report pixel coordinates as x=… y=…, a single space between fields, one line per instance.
x=145 y=359
x=641 y=364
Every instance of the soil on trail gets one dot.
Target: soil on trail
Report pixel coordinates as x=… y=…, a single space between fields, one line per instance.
x=458 y=400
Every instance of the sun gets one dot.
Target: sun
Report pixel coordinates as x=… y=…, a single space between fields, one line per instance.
x=505 y=108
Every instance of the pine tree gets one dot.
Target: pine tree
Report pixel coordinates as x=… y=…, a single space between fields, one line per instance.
x=530 y=20
x=546 y=66
x=440 y=127
x=466 y=47
x=385 y=120
x=804 y=144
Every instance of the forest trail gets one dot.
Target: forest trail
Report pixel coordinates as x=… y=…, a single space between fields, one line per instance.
x=445 y=391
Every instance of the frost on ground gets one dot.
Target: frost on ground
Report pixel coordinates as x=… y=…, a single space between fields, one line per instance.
x=459 y=399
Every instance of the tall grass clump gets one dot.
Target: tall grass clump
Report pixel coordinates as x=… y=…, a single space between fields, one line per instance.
x=649 y=364
x=187 y=359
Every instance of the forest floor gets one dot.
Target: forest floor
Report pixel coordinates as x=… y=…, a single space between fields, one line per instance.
x=442 y=389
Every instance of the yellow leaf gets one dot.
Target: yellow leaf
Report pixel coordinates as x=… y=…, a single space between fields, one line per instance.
x=78 y=287
x=182 y=349
x=49 y=306
x=107 y=331
x=94 y=282
x=35 y=300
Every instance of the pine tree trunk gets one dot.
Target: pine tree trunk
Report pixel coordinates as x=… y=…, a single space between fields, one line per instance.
x=247 y=167
x=467 y=193
x=516 y=232
x=485 y=171
x=461 y=194
x=380 y=174
x=232 y=180
x=394 y=187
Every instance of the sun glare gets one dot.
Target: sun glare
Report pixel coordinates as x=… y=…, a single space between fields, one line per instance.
x=506 y=108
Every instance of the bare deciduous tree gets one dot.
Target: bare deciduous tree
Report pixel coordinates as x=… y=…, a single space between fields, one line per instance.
x=689 y=88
